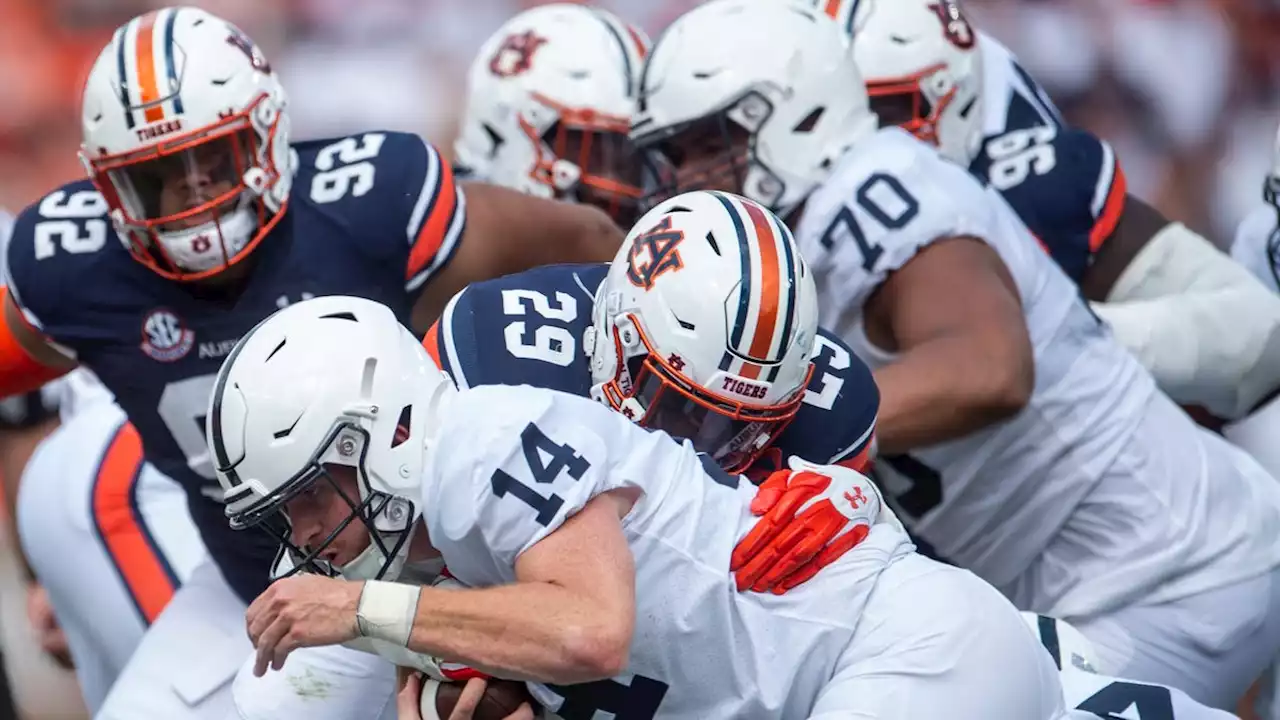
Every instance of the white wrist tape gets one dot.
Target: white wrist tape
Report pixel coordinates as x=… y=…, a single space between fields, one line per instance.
x=387 y=610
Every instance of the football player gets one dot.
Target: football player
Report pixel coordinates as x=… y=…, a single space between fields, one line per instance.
x=87 y=494
x=1015 y=435
x=704 y=326
x=548 y=108
x=1207 y=332
x=595 y=553
x=199 y=218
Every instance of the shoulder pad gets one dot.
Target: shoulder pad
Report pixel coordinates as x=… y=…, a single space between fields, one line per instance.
x=886 y=201
x=395 y=189
x=55 y=244
x=521 y=329
x=1065 y=185
x=837 y=421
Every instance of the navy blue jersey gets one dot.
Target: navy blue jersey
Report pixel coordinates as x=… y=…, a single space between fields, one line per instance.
x=527 y=329
x=371 y=215
x=1064 y=183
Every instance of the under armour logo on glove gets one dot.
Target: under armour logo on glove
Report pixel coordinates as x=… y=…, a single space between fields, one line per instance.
x=812 y=515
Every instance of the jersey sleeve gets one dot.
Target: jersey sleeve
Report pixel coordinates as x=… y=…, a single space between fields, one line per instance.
x=1065 y=184
x=56 y=261
x=519 y=462
x=437 y=217
x=395 y=195
x=451 y=341
x=520 y=329
x=837 y=422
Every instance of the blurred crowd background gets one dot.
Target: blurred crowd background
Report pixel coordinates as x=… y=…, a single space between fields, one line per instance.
x=1185 y=90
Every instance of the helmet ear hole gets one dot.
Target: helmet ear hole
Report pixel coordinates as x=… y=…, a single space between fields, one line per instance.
x=402 y=426
x=495 y=138
x=806 y=125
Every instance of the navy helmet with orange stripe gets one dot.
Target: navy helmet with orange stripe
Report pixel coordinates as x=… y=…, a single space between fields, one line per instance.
x=923 y=68
x=549 y=102
x=185 y=134
x=705 y=325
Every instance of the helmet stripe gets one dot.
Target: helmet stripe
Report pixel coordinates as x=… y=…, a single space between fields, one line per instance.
x=744 y=293
x=144 y=57
x=841 y=11
x=126 y=102
x=769 y=294
x=171 y=69
x=608 y=22
x=792 y=280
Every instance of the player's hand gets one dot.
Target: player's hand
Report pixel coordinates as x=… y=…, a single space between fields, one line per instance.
x=301 y=611
x=409 y=701
x=812 y=514
x=47 y=630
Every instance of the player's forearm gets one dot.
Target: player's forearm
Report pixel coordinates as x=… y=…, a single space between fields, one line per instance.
x=524 y=631
x=947 y=388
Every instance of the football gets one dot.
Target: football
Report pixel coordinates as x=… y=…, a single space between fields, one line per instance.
x=501 y=698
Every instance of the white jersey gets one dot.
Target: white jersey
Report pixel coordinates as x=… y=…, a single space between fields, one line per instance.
x=994 y=500
x=505 y=480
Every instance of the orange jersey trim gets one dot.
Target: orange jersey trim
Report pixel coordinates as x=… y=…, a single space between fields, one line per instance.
x=431 y=342
x=439 y=218
x=1112 y=210
x=137 y=558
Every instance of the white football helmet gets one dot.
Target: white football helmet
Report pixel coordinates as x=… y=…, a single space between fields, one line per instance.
x=187 y=138
x=923 y=69
x=705 y=324
x=549 y=103
x=330 y=381
x=758 y=97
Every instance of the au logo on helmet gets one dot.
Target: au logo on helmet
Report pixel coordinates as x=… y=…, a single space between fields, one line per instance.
x=515 y=54
x=954 y=24
x=654 y=253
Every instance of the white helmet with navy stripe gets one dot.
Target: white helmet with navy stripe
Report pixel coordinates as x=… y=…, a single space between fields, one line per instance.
x=322 y=393
x=704 y=325
x=550 y=97
x=764 y=94
x=923 y=68
x=186 y=136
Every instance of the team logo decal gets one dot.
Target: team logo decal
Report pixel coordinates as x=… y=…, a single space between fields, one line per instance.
x=654 y=253
x=256 y=58
x=954 y=24
x=165 y=337
x=515 y=54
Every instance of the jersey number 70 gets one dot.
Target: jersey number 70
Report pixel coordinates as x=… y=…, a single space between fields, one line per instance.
x=872 y=196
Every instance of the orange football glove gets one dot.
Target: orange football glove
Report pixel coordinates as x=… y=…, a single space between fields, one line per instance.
x=812 y=515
